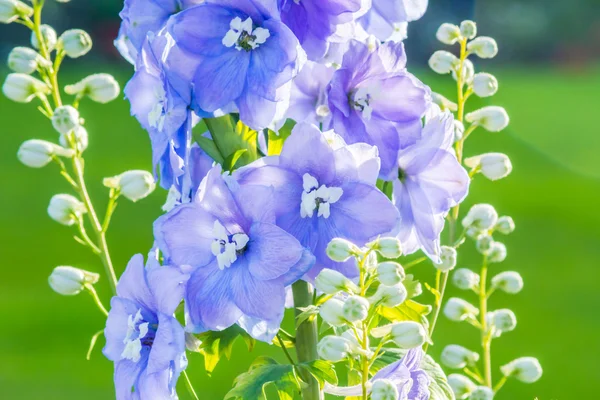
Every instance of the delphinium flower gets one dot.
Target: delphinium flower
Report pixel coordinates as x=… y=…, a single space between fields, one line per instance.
x=373 y=99
x=324 y=193
x=430 y=181
x=242 y=261
x=248 y=53
x=308 y=102
x=143 y=339
x=386 y=16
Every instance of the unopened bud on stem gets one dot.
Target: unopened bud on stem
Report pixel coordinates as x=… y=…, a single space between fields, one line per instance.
x=134 y=185
x=75 y=43
x=101 y=88
x=332 y=282
x=341 y=250
x=493 y=166
x=23 y=88
x=70 y=281
x=48 y=36
x=388 y=247
x=66 y=209
x=525 y=369
x=38 y=153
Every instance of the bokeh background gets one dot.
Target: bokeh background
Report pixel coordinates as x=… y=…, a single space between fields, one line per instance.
x=549 y=74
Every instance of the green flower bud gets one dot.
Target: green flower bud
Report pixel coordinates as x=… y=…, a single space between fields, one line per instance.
x=25 y=60
x=408 y=334
x=505 y=225
x=384 y=389
x=491 y=118
x=23 y=88
x=65 y=119
x=461 y=386
x=458 y=357
x=510 y=282
x=459 y=310
x=333 y=348
x=465 y=279
x=390 y=273
x=388 y=247
x=448 y=259
x=468 y=29
x=12 y=10
x=341 y=250
x=101 y=88
x=38 y=153
x=356 y=309
x=332 y=312
x=483 y=46
x=448 y=33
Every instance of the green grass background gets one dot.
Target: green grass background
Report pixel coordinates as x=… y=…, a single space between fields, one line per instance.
x=553 y=195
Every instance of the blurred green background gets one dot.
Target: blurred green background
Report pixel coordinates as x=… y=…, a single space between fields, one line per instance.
x=549 y=83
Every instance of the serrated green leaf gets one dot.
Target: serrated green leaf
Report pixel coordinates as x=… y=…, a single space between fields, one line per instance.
x=231 y=135
x=265 y=371
x=216 y=345
x=308 y=314
x=323 y=371
x=277 y=139
x=410 y=310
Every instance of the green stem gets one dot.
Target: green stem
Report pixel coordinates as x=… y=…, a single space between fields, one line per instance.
x=189 y=385
x=90 y=288
x=415 y=262
x=93 y=344
x=486 y=338
x=500 y=384
x=286 y=352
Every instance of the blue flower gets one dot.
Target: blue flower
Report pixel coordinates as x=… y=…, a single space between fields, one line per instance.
x=324 y=191
x=385 y=15
x=241 y=54
x=373 y=99
x=242 y=261
x=143 y=339
x=308 y=102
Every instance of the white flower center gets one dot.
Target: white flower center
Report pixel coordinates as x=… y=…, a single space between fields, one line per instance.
x=317 y=198
x=244 y=36
x=227 y=247
x=361 y=101
x=157 y=116
x=136 y=331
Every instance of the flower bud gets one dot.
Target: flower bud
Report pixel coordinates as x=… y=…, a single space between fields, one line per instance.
x=448 y=258
x=458 y=357
x=388 y=247
x=443 y=102
x=23 y=88
x=25 y=60
x=461 y=386
x=390 y=296
x=481 y=216
x=371 y=261
x=484 y=243
x=69 y=281
x=65 y=119
x=355 y=346
x=459 y=310
x=525 y=369
x=443 y=62
x=483 y=46
x=491 y=118
x=134 y=185
x=465 y=279
x=390 y=273
x=468 y=72
x=356 y=309
x=80 y=137
x=493 y=166
x=332 y=312
x=332 y=282
x=504 y=320
x=341 y=250
x=333 y=348
x=408 y=334
x=448 y=33
x=510 y=282
x=484 y=84
x=459 y=130
x=505 y=225
x=482 y=393
x=384 y=389
x=38 y=153
x=65 y=209
x=497 y=253
x=48 y=36
x=11 y=10
x=75 y=43
x=468 y=29
x=101 y=88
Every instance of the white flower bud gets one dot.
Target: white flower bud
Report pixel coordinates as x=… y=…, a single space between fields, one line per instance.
x=79 y=135
x=49 y=37
x=497 y=253
x=65 y=209
x=483 y=46
x=355 y=346
x=491 y=118
x=510 y=282
x=443 y=102
x=333 y=348
x=458 y=357
x=101 y=88
x=65 y=119
x=38 y=153
x=448 y=33
x=134 y=185
x=505 y=225
x=23 y=88
x=388 y=247
x=390 y=273
x=459 y=310
x=482 y=393
x=468 y=71
x=484 y=243
x=484 y=84
x=356 y=308
x=408 y=334
x=465 y=279
x=384 y=389
x=481 y=216
x=25 y=60
x=459 y=130
x=525 y=369
x=493 y=166
x=461 y=386
x=341 y=250
x=332 y=282
x=390 y=296
x=370 y=262
x=443 y=62
x=75 y=43
x=70 y=281
x=332 y=312
x=468 y=29
x=448 y=258
x=504 y=320
x=11 y=10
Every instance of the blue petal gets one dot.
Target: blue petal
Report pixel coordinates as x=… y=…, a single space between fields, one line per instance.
x=168 y=287
x=133 y=284
x=168 y=346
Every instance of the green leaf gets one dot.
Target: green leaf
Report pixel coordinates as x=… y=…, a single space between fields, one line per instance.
x=354 y=378
x=308 y=314
x=265 y=371
x=231 y=135
x=410 y=310
x=215 y=345
x=231 y=161
x=323 y=371
x=209 y=148
x=276 y=140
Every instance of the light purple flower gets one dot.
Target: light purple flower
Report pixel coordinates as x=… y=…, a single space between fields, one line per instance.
x=430 y=181
x=308 y=102
x=373 y=99
x=242 y=261
x=322 y=193
x=143 y=339
x=385 y=15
